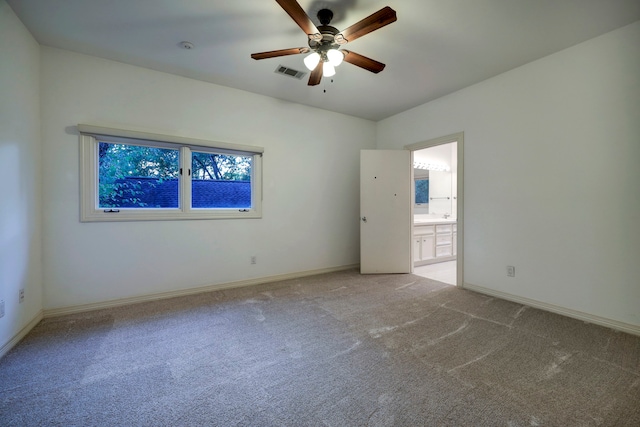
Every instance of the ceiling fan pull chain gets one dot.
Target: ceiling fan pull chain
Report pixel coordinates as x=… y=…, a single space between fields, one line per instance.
x=325 y=86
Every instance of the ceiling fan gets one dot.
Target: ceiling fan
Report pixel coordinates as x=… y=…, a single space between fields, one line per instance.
x=325 y=41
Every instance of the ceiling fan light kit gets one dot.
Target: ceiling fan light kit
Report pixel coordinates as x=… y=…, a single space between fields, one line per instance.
x=335 y=57
x=325 y=41
x=311 y=61
x=328 y=70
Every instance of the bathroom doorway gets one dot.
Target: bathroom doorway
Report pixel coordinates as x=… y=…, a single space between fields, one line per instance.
x=437 y=209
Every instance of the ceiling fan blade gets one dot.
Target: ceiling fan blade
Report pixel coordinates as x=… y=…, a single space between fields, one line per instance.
x=384 y=16
x=281 y=52
x=316 y=75
x=298 y=14
x=363 y=62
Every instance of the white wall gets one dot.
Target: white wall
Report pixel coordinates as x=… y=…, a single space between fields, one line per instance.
x=311 y=190
x=552 y=175
x=20 y=175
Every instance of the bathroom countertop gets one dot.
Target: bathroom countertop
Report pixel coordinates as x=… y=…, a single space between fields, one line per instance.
x=434 y=221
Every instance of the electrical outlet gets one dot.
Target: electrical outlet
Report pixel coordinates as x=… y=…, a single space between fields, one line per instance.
x=511 y=271
x=254 y=259
x=21 y=296
x=1 y=308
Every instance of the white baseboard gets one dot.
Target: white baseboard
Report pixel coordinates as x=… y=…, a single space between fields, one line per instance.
x=172 y=294
x=21 y=334
x=586 y=317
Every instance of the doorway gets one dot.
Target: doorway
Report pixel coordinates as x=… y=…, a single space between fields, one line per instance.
x=437 y=202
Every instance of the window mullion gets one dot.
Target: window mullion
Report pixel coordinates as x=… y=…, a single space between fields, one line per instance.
x=185 y=179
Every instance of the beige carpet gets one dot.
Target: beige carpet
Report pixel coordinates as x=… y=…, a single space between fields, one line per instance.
x=339 y=349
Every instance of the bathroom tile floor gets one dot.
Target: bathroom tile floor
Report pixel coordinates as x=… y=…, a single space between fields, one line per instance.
x=443 y=272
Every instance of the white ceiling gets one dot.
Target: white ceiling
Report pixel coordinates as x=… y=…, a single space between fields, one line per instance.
x=436 y=46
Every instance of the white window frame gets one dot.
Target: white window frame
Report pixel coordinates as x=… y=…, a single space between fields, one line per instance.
x=90 y=136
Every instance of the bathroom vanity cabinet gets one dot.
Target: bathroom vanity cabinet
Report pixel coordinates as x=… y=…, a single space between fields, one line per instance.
x=434 y=242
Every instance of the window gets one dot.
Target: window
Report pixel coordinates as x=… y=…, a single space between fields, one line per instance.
x=220 y=180
x=130 y=175
x=135 y=176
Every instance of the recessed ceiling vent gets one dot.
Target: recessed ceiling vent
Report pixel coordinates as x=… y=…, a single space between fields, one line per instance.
x=290 y=72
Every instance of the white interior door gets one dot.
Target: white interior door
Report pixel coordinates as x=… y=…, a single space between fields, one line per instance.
x=385 y=211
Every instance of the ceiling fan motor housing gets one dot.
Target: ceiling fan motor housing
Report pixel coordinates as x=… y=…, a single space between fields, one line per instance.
x=329 y=33
x=328 y=40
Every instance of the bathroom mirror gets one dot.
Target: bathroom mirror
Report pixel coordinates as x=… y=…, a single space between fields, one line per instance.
x=435 y=175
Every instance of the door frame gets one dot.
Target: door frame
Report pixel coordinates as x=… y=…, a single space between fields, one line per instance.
x=459 y=138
